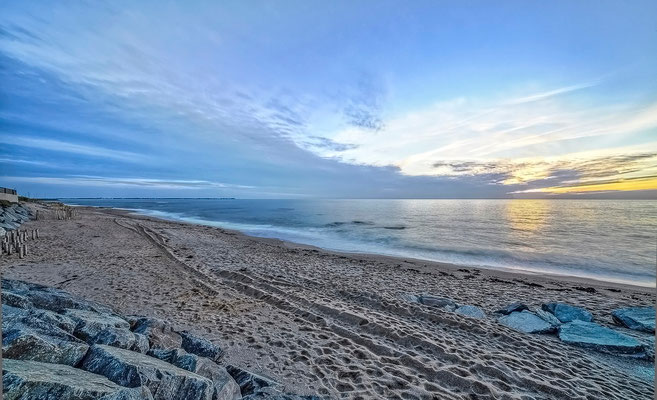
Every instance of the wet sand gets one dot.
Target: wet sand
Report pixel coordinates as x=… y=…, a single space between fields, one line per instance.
x=331 y=323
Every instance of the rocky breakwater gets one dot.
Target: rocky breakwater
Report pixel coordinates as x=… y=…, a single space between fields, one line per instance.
x=12 y=239
x=12 y=216
x=58 y=346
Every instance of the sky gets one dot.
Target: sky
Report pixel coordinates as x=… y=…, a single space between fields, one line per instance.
x=351 y=99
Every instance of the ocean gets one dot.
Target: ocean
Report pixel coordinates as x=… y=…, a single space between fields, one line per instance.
x=609 y=240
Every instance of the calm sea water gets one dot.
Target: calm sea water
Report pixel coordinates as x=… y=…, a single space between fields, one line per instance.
x=601 y=239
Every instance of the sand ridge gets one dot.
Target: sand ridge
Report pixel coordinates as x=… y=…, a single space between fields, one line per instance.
x=329 y=323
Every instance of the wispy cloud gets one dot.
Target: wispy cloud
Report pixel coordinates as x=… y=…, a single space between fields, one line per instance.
x=76 y=148
x=25 y=162
x=551 y=93
x=83 y=180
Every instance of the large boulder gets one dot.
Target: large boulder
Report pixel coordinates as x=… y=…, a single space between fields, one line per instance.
x=470 y=311
x=567 y=313
x=526 y=322
x=593 y=336
x=511 y=308
x=274 y=394
x=26 y=336
x=160 y=333
x=132 y=369
x=45 y=381
x=225 y=387
x=35 y=317
x=15 y=300
x=91 y=323
x=200 y=346
x=59 y=301
x=249 y=382
x=637 y=318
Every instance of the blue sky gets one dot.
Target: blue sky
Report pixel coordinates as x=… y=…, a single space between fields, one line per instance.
x=329 y=99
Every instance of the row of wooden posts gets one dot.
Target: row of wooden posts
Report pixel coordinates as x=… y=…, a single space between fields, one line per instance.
x=15 y=241
x=60 y=213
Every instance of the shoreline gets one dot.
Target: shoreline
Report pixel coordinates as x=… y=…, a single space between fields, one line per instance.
x=415 y=262
x=335 y=324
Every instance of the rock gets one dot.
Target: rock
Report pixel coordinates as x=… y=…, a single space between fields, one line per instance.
x=637 y=318
x=248 y=382
x=20 y=286
x=91 y=323
x=25 y=336
x=568 y=313
x=141 y=343
x=273 y=394
x=435 y=301
x=168 y=355
x=548 y=317
x=117 y=337
x=470 y=311
x=526 y=322
x=200 y=346
x=593 y=336
x=225 y=387
x=511 y=308
x=59 y=301
x=15 y=300
x=160 y=334
x=140 y=393
x=132 y=369
x=36 y=380
x=42 y=319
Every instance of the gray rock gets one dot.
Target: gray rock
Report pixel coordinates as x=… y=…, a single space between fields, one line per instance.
x=548 y=317
x=596 y=337
x=160 y=334
x=200 y=346
x=132 y=369
x=249 y=382
x=567 y=313
x=25 y=336
x=42 y=319
x=435 y=301
x=168 y=355
x=58 y=301
x=225 y=387
x=141 y=343
x=16 y=286
x=526 y=322
x=117 y=337
x=15 y=300
x=511 y=308
x=44 y=381
x=140 y=393
x=637 y=318
x=89 y=324
x=273 y=394
x=470 y=311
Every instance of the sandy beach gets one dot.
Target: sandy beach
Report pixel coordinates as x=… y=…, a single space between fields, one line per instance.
x=337 y=325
